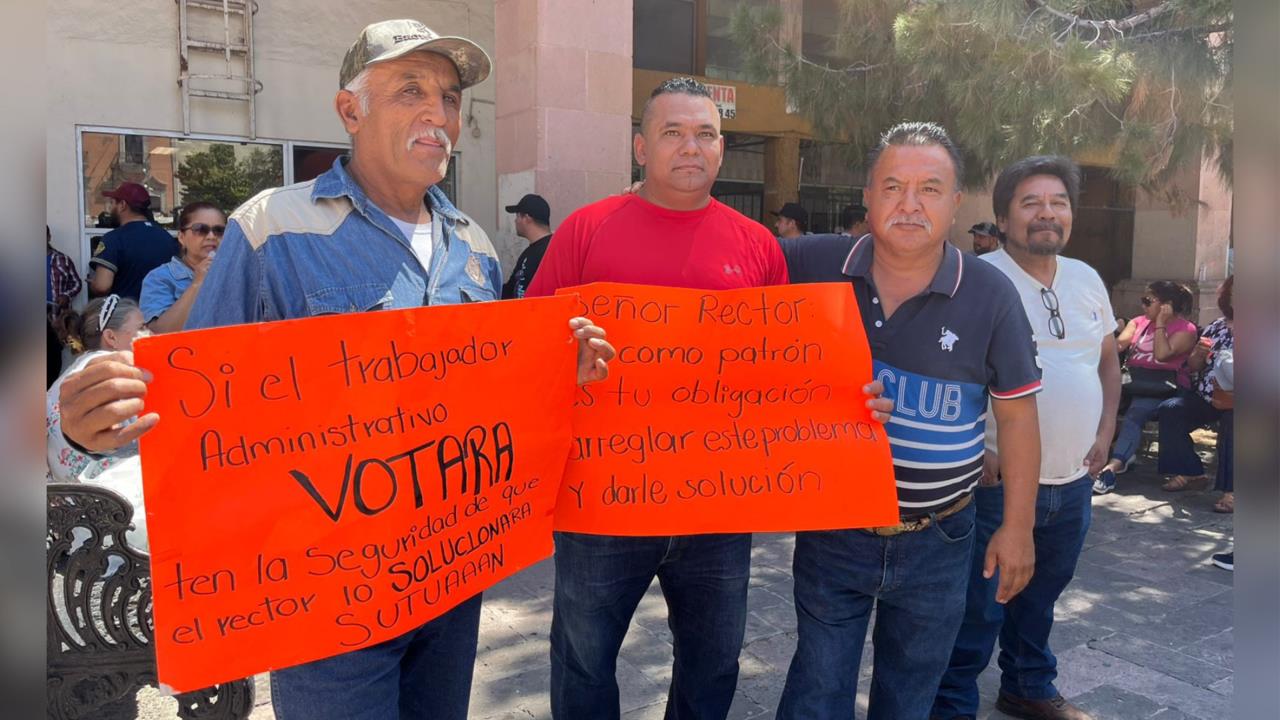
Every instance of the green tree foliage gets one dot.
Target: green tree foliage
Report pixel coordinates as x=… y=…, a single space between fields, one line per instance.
x=1145 y=81
x=215 y=175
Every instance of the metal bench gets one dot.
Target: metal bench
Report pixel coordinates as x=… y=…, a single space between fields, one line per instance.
x=100 y=627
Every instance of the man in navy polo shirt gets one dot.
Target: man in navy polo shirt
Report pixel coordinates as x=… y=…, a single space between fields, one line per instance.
x=946 y=333
x=124 y=256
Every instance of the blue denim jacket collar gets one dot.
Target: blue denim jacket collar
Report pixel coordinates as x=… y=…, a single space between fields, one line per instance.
x=337 y=182
x=179 y=270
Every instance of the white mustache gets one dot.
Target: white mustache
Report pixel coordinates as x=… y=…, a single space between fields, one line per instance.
x=913 y=220
x=434 y=133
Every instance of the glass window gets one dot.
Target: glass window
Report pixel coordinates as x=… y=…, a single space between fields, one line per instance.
x=175 y=171
x=724 y=56
x=309 y=162
x=821 y=23
x=662 y=35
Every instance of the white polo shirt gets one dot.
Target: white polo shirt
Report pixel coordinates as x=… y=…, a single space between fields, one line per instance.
x=1070 y=403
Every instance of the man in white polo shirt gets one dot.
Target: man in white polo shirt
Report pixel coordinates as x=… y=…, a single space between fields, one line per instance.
x=1071 y=318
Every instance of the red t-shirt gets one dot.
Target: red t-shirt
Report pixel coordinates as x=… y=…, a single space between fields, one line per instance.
x=627 y=239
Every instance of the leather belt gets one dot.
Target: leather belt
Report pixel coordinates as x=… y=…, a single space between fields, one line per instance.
x=921 y=523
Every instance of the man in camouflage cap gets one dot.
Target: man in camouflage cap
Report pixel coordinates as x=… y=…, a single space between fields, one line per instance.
x=365 y=235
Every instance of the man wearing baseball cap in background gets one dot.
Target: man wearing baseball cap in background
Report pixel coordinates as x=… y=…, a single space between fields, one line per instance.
x=986 y=238
x=365 y=235
x=792 y=222
x=124 y=256
x=533 y=223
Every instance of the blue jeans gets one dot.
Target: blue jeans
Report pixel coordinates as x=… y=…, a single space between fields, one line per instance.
x=1129 y=439
x=915 y=581
x=1028 y=667
x=424 y=674
x=1226 y=451
x=1178 y=417
x=599 y=582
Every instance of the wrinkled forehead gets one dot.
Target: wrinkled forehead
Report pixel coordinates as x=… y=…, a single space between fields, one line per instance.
x=1040 y=185
x=681 y=110
x=915 y=163
x=423 y=65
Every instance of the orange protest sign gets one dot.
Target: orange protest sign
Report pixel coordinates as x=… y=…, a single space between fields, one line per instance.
x=321 y=485
x=729 y=411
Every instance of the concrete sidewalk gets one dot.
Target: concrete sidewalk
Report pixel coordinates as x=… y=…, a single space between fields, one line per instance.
x=1144 y=631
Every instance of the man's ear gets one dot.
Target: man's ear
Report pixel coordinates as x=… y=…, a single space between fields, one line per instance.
x=348 y=107
x=637 y=146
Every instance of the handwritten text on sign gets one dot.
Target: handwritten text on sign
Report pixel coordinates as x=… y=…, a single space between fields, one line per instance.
x=729 y=411
x=320 y=485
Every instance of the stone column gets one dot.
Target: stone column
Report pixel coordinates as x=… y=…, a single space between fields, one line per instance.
x=563 y=89
x=781 y=174
x=1186 y=241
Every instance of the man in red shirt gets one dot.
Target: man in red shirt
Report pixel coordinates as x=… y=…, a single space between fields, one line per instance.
x=672 y=233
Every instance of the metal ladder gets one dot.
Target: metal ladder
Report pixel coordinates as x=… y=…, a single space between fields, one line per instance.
x=234 y=53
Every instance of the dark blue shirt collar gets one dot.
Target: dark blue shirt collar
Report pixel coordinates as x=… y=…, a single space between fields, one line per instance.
x=946 y=280
x=336 y=182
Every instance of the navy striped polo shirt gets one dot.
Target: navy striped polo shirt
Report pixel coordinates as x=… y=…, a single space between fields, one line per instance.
x=941 y=354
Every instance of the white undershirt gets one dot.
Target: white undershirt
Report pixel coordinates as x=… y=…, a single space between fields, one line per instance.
x=419 y=237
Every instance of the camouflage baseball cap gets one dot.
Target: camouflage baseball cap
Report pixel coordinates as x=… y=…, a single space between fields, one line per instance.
x=391 y=39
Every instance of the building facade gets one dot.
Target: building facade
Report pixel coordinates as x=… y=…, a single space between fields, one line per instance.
x=116 y=112
x=557 y=117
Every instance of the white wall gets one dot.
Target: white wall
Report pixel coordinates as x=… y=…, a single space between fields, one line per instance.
x=116 y=64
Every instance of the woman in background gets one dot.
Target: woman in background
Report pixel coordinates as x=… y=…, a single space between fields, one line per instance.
x=1158 y=342
x=169 y=291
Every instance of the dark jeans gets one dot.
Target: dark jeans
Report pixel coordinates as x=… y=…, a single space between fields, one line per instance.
x=1129 y=439
x=915 y=581
x=424 y=674
x=1178 y=417
x=599 y=582
x=1028 y=667
x=1226 y=451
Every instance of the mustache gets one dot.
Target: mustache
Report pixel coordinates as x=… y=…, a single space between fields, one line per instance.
x=911 y=220
x=1042 y=225
x=434 y=133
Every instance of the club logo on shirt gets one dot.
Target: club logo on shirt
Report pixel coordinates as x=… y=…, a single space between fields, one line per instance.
x=948 y=340
x=732 y=269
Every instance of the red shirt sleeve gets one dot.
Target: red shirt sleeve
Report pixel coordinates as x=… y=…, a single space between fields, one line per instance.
x=561 y=266
x=775 y=263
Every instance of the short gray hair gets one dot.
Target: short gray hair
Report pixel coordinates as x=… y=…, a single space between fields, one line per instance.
x=919 y=134
x=359 y=86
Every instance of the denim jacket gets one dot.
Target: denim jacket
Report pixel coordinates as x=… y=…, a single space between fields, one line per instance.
x=321 y=247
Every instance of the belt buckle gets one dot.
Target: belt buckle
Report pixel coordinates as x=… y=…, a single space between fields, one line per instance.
x=903 y=527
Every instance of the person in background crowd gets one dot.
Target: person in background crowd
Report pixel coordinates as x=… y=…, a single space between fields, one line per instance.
x=600 y=579
x=1158 y=342
x=1070 y=313
x=1224 y=399
x=986 y=238
x=1194 y=408
x=124 y=256
x=533 y=223
x=107 y=325
x=359 y=237
x=793 y=220
x=853 y=221
x=169 y=291
x=62 y=284
x=940 y=324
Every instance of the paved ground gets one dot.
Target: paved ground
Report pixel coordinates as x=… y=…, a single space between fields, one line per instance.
x=1144 y=631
